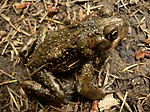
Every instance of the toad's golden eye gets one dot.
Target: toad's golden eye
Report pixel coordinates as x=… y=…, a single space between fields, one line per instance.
x=112 y=36
x=111 y=32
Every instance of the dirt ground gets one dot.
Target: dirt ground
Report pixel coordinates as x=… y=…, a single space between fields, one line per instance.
x=127 y=70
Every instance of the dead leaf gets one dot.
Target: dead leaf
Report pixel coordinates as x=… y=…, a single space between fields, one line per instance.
x=147 y=54
x=142 y=53
x=52 y=10
x=107 y=102
x=147 y=41
x=94 y=106
x=22 y=5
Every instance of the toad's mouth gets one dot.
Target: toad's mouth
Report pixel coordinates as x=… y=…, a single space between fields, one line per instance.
x=104 y=44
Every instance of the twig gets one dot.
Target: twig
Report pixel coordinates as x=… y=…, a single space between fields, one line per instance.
x=68 y=9
x=88 y=8
x=124 y=100
x=8 y=82
x=121 y=97
x=17 y=29
x=107 y=75
x=14 y=48
x=13 y=98
x=7 y=74
x=43 y=17
x=131 y=66
x=3 y=6
x=45 y=6
x=5 y=48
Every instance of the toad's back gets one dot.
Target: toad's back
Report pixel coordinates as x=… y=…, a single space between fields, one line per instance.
x=62 y=50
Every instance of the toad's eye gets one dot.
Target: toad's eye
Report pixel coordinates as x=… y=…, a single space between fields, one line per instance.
x=111 y=32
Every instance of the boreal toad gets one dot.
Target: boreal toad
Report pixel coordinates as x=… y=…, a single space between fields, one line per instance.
x=72 y=51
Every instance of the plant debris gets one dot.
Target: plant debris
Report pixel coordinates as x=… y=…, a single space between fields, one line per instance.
x=125 y=74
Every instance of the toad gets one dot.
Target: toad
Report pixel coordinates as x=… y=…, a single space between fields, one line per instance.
x=72 y=51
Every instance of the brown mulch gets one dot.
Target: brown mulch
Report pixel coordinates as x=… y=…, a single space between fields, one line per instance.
x=127 y=70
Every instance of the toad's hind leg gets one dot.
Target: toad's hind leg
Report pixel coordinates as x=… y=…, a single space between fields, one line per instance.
x=86 y=86
x=46 y=88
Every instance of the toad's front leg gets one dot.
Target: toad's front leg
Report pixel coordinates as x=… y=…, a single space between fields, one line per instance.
x=86 y=86
x=47 y=88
